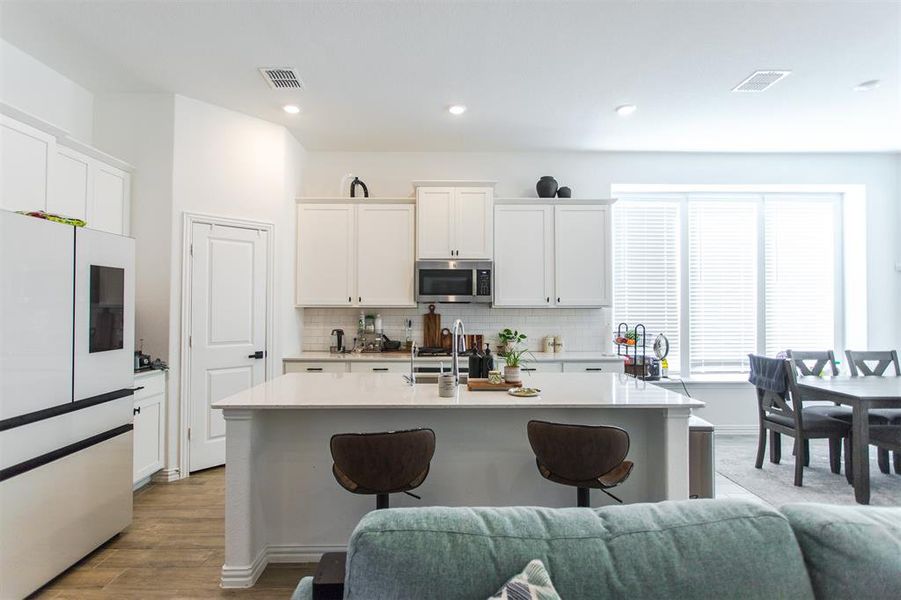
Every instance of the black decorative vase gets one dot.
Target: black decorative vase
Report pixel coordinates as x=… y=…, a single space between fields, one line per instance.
x=546 y=187
x=564 y=192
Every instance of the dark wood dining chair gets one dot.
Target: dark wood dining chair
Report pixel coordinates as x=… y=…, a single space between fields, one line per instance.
x=585 y=457
x=860 y=364
x=818 y=363
x=781 y=411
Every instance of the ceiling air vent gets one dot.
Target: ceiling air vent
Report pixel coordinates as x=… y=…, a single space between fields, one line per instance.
x=281 y=78
x=760 y=81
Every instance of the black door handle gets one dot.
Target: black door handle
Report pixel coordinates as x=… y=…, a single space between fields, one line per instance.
x=257 y=354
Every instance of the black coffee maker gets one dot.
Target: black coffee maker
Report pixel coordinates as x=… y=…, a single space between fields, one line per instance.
x=337 y=343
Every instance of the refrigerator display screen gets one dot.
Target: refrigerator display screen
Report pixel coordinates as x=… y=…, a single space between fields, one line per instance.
x=107 y=308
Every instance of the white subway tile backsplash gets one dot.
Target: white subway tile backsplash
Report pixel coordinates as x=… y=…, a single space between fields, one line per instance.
x=585 y=329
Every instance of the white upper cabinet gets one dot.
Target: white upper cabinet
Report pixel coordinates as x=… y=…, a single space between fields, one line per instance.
x=524 y=256
x=42 y=168
x=434 y=222
x=325 y=254
x=355 y=254
x=385 y=254
x=473 y=223
x=454 y=222
x=582 y=255
x=108 y=207
x=26 y=163
x=549 y=255
x=71 y=185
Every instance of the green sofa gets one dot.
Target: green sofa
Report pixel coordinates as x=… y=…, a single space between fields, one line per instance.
x=691 y=549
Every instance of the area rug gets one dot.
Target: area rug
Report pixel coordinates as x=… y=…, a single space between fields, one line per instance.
x=775 y=483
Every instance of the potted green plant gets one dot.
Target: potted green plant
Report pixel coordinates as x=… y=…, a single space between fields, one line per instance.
x=513 y=354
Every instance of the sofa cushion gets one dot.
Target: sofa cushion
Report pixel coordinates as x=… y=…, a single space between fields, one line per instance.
x=850 y=551
x=696 y=548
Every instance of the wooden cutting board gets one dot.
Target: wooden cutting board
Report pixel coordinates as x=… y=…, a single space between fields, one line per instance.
x=431 y=328
x=483 y=385
x=447 y=339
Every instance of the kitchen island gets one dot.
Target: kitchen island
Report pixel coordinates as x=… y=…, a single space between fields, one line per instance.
x=284 y=505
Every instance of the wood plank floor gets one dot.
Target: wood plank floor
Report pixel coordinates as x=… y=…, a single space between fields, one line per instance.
x=174 y=549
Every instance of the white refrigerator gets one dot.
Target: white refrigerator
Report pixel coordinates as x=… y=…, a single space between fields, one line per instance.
x=66 y=378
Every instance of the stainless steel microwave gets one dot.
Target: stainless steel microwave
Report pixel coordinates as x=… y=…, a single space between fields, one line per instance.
x=454 y=281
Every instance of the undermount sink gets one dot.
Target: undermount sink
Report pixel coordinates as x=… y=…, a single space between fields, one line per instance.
x=433 y=378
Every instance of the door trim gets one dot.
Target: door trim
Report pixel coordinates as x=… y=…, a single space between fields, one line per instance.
x=183 y=410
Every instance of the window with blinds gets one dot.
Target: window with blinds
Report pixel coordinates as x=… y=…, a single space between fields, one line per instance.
x=725 y=275
x=722 y=284
x=800 y=266
x=646 y=256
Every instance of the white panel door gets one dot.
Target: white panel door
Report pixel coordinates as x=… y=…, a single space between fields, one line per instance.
x=385 y=254
x=325 y=255
x=71 y=185
x=104 y=312
x=434 y=222
x=524 y=256
x=582 y=255
x=107 y=210
x=473 y=223
x=26 y=159
x=36 y=259
x=229 y=282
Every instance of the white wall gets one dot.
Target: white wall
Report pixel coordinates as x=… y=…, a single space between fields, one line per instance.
x=591 y=174
x=139 y=128
x=227 y=164
x=35 y=88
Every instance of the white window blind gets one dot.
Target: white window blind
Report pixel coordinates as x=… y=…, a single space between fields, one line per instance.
x=646 y=251
x=722 y=283
x=800 y=261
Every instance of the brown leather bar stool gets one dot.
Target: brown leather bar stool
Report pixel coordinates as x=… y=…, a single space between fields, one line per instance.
x=583 y=456
x=377 y=464
x=382 y=463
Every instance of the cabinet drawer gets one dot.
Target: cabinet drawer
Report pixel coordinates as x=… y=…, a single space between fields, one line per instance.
x=540 y=367
x=153 y=383
x=593 y=367
x=379 y=367
x=315 y=367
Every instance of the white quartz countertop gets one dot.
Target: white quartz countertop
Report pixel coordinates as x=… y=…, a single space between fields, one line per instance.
x=380 y=391
x=405 y=357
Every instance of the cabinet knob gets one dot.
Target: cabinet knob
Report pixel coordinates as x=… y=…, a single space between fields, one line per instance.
x=349 y=299
x=548 y=299
x=359 y=298
x=558 y=298
x=137 y=410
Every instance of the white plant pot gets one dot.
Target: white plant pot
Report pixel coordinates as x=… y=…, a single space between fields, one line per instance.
x=512 y=374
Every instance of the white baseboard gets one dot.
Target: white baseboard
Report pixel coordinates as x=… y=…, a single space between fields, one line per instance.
x=736 y=429
x=165 y=476
x=241 y=577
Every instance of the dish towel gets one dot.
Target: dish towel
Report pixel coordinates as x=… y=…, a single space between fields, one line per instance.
x=768 y=374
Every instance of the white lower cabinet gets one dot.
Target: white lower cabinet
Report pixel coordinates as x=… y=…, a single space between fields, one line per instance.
x=367 y=366
x=149 y=424
x=552 y=255
x=613 y=366
x=314 y=367
x=539 y=367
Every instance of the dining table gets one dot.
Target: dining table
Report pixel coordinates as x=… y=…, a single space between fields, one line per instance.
x=861 y=394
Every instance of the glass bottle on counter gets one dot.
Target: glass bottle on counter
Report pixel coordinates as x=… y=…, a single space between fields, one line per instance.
x=361 y=323
x=378 y=323
x=487 y=361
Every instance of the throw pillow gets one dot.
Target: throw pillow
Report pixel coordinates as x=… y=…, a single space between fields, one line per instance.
x=532 y=584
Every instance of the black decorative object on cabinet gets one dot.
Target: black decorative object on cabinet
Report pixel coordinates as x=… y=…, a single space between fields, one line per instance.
x=353 y=187
x=564 y=192
x=546 y=187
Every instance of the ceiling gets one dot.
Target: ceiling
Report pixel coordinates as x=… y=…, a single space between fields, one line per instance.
x=535 y=75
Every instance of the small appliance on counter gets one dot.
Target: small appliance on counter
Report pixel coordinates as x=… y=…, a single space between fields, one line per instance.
x=337 y=344
x=142 y=361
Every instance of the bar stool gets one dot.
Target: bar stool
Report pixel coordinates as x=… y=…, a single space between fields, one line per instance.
x=382 y=463
x=583 y=456
x=376 y=464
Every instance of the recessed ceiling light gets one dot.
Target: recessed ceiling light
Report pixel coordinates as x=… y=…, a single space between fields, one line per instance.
x=866 y=86
x=457 y=109
x=626 y=109
x=291 y=109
